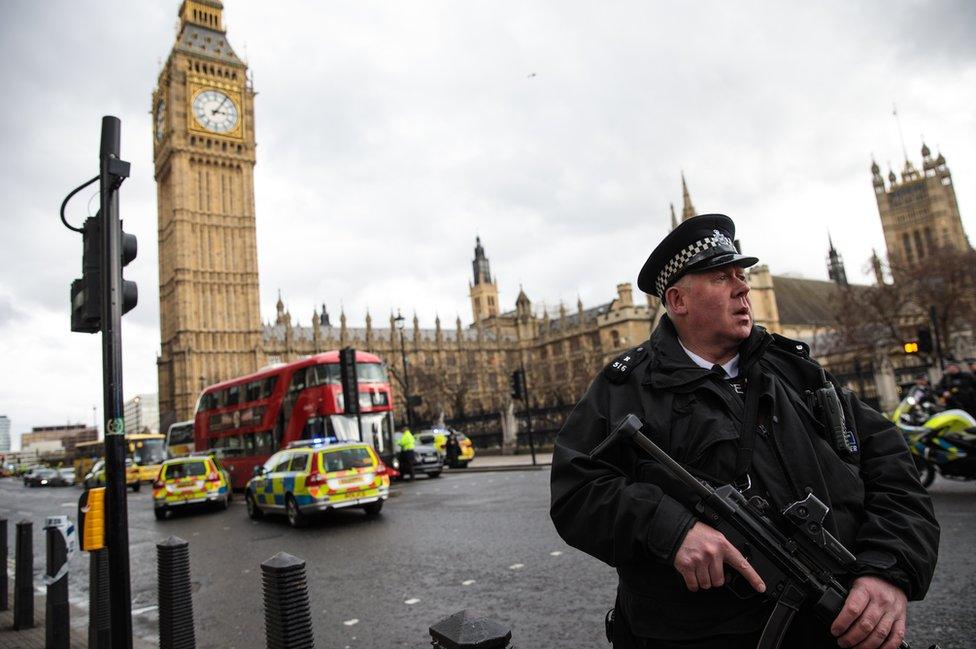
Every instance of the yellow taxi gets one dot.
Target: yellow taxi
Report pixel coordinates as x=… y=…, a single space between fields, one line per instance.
x=437 y=438
x=96 y=476
x=192 y=480
x=315 y=476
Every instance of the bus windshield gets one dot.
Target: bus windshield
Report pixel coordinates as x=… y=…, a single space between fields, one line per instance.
x=147 y=451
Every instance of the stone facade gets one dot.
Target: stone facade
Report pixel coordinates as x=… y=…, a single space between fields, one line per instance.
x=203 y=145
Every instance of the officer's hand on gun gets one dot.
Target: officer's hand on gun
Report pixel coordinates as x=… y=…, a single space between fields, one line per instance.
x=873 y=616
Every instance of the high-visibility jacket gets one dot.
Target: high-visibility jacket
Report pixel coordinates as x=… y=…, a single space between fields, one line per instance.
x=406 y=440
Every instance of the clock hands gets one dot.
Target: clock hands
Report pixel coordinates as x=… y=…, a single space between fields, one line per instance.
x=219 y=106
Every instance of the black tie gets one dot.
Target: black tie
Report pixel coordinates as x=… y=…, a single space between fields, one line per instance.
x=718 y=369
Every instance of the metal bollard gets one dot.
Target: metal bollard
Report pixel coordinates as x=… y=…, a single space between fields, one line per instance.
x=56 y=620
x=24 y=577
x=4 y=604
x=99 y=629
x=287 y=617
x=175 y=595
x=467 y=630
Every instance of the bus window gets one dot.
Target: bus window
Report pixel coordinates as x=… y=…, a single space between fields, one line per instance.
x=233 y=395
x=317 y=428
x=249 y=443
x=297 y=381
x=253 y=392
x=207 y=402
x=371 y=373
x=148 y=451
x=328 y=373
x=268 y=387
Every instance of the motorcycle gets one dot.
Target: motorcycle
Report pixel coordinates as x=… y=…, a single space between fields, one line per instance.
x=941 y=441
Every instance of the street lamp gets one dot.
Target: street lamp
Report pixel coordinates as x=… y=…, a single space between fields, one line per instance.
x=399 y=321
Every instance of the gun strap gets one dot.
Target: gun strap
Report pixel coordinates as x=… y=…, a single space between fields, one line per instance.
x=747 y=436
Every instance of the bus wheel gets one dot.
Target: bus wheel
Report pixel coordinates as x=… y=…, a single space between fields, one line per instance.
x=295 y=516
x=253 y=511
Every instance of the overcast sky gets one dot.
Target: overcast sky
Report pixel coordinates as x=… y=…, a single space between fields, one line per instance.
x=390 y=134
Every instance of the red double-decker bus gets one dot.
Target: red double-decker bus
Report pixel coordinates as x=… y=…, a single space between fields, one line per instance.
x=246 y=419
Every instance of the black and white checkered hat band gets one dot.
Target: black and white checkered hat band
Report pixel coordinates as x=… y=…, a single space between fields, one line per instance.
x=690 y=255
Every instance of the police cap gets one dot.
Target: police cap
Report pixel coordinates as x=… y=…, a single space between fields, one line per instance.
x=697 y=244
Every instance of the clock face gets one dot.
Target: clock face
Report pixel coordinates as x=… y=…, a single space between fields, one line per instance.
x=215 y=111
x=160 y=121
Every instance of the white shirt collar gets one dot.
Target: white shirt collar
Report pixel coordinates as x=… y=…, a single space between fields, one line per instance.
x=731 y=368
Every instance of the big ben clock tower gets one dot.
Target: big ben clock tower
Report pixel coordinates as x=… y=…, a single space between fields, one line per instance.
x=203 y=136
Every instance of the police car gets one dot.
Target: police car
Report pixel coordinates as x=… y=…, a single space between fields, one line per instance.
x=192 y=480
x=315 y=476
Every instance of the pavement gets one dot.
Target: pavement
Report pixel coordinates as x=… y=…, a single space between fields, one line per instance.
x=519 y=462
x=34 y=637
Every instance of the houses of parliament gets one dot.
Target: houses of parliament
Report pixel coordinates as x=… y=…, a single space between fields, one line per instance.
x=210 y=324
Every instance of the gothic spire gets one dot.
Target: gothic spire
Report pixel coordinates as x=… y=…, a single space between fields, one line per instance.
x=687 y=210
x=674 y=218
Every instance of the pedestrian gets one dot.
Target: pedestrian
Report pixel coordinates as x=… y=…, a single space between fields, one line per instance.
x=406 y=444
x=690 y=382
x=452 y=448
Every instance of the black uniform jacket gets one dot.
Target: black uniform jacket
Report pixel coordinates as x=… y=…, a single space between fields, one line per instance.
x=625 y=510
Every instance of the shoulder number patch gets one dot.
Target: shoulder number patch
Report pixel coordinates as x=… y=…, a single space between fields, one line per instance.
x=621 y=367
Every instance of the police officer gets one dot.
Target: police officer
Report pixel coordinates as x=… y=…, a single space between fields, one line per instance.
x=690 y=383
x=406 y=444
x=957 y=388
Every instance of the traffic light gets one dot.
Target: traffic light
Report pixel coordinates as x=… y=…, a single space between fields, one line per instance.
x=910 y=347
x=517 y=384
x=350 y=382
x=925 y=340
x=86 y=293
x=128 y=249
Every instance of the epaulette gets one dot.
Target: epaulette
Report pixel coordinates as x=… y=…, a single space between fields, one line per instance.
x=621 y=367
x=795 y=347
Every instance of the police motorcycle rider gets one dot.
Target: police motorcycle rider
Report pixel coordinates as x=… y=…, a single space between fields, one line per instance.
x=957 y=388
x=689 y=382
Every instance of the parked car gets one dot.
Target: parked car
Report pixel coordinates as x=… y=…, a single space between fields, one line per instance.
x=188 y=481
x=426 y=459
x=437 y=437
x=96 y=476
x=313 y=476
x=45 y=478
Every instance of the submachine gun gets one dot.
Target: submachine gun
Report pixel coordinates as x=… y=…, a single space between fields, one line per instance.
x=796 y=557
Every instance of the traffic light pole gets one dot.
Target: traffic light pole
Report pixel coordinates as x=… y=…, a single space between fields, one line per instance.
x=112 y=171
x=528 y=411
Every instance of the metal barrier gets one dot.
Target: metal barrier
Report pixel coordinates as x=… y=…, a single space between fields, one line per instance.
x=287 y=617
x=24 y=577
x=175 y=595
x=56 y=617
x=4 y=604
x=99 y=629
x=469 y=630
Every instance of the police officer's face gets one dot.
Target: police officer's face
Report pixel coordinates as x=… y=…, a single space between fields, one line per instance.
x=714 y=305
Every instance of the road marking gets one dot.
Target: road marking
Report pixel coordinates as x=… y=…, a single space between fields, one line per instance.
x=516 y=566
x=349 y=622
x=69 y=504
x=467 y=582
x=144 y=609
x=411 y=601
x=555 y=554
